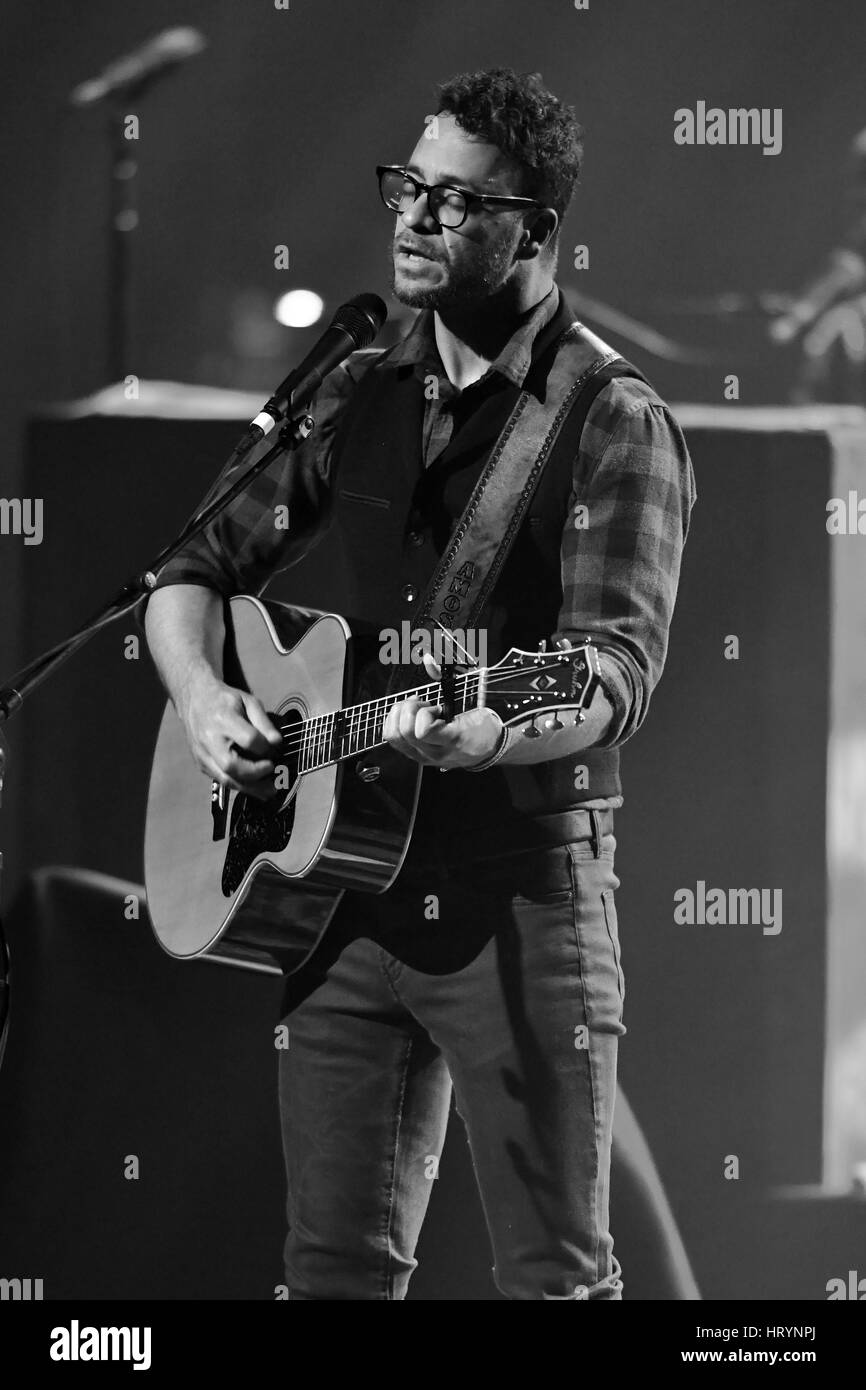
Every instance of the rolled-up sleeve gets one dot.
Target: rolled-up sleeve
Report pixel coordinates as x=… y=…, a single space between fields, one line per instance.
x=622 y=544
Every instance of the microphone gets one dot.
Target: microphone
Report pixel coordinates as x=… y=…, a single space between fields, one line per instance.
x=128 y=74
x=844 y=274
x=355 y=325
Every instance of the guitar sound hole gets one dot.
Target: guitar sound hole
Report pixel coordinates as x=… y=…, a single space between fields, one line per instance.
x=261 y=827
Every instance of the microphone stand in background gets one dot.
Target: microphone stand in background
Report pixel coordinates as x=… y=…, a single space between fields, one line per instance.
x=16 y=690
x=122 y=222
x=123 y=82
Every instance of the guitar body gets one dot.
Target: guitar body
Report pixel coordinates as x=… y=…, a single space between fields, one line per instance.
x=263 y=893
x=255 y=883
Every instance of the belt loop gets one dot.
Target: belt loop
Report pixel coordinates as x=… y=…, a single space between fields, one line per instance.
x=595 y=834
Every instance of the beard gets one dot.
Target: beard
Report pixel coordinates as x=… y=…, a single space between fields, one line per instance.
x=466 y=283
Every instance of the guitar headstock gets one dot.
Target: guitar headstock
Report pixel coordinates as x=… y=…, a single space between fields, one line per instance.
x=531 y=683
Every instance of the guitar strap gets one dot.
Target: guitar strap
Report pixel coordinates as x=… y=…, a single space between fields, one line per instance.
x=473 y=559
x=463 y=581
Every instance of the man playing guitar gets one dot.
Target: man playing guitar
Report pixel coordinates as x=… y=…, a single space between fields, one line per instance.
x=492 y=965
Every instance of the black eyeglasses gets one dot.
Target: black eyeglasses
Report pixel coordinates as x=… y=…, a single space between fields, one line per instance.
x=449 y=206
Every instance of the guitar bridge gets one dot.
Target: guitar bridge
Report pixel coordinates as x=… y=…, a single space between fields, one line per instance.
x=219 y=809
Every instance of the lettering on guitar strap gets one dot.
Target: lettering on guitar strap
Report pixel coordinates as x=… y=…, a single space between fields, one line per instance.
x=457 y=591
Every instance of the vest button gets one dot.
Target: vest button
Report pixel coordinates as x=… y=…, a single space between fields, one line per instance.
x=415 y=538
x=409 y=592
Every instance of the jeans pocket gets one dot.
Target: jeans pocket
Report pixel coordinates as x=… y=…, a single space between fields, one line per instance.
x=609 y=904
x=540 y=876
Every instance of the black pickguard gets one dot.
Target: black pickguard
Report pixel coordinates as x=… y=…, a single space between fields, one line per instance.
x=259 y=827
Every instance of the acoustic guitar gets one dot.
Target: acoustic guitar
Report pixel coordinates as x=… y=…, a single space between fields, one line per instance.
x=236 y=879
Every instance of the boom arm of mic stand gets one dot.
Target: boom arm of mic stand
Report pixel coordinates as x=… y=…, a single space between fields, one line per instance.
x=12 y=696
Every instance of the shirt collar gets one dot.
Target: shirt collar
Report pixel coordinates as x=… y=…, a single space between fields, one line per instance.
x=418 y=348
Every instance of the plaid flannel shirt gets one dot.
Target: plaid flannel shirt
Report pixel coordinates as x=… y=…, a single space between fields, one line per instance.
x=619 y=573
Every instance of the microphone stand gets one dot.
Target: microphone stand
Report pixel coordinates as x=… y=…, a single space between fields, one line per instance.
x=14 y=693
x=122 y=222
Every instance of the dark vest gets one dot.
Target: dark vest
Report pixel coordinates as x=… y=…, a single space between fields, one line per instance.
x=395 y=518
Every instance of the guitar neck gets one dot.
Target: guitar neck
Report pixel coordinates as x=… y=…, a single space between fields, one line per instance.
x=331 y=738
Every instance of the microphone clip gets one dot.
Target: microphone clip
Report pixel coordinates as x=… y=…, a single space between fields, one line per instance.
x=295 y=431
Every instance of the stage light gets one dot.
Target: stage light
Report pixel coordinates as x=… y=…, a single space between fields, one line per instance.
x=299 y=308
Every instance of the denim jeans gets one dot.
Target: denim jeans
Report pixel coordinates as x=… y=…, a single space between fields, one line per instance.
x=503 y=979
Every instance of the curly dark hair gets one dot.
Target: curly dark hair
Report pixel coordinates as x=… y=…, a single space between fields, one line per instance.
x=516 y=112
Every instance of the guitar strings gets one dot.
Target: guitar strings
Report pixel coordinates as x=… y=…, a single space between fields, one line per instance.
x=368 y=707
x=315 y=734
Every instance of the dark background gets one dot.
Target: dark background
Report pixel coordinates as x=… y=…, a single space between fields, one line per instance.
x=271 y=137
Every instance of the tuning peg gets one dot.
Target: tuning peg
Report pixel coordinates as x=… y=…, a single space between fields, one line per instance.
x=531 y=731
x=554 y=723
x=542 y=646
x=563 y=643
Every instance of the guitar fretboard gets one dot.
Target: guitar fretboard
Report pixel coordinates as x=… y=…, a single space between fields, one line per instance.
x=329 y=738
